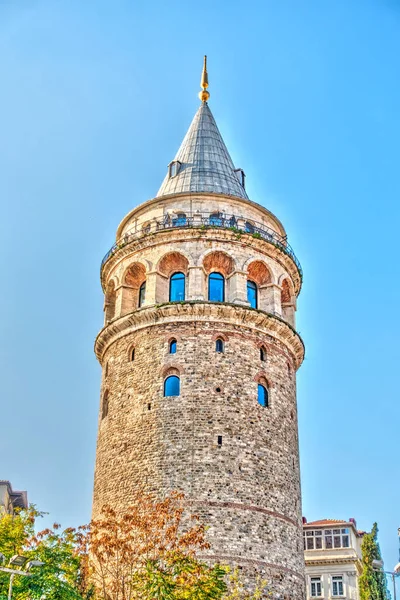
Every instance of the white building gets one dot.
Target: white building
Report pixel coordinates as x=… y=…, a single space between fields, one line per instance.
x=332 y=552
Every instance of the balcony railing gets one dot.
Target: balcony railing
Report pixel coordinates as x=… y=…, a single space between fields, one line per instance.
x=206 y=221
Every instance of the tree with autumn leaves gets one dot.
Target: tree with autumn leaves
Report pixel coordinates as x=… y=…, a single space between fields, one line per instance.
x=147 y=553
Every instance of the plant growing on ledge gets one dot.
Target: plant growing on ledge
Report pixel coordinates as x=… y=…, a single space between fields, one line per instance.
x=256 y=235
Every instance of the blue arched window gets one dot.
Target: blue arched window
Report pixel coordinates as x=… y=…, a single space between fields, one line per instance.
x=177 y=287
x=249 y=227
x=262 y=395
x=216 y=287
x=252 y=293
x=180 y=220
x=172 y=347
x=172 y=386
x=142 y=293
x=219 y=345
x=216 y=219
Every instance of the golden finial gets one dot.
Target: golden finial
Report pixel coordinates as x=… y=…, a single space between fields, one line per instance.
x=204 y=95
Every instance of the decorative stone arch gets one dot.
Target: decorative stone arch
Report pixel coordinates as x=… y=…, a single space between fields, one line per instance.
x=259 y=272
x=288 y=301
x=110 y=301
x=170 y=263
x=218 y=261
x=220 y=336
x=262 y=377
x=268 y=292
x=171 y=369
x=133 y=277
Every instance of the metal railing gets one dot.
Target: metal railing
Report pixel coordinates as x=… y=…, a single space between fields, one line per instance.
x=197 y=220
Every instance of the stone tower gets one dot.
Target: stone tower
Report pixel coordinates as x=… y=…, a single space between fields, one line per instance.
x=199 y=353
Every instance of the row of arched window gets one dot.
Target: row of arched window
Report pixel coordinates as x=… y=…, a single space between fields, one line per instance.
x=172 y=388
x=216 y=219
x=219 y=347
x=216 y=289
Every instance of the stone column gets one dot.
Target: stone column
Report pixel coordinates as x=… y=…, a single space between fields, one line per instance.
x=126 y=300
x=195 y=284
x=288 y=313
x=151 y=287
x=237 y=288
x=270 y=298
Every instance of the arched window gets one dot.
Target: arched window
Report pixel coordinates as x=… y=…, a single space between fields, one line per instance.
x=172 y=347
x=177 y=287
x=249 y=227
x=219 y=345
x=180 y=220
x=252 y=293
x=263 y=353
x=262 y=395
x=216 y=287
x=142 y=293
x=216 y=219
x=132 y=354
x=172 y=386
x=104 y=405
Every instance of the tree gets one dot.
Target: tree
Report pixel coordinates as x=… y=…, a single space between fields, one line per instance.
x=372 y=583
x=60 y=576
x=149 y=552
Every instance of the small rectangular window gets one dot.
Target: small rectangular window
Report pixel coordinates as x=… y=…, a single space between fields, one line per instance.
x=316 y=587
x=220 y=440
x=337 y=586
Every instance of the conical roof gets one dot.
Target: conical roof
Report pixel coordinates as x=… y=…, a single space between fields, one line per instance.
x=202 y=162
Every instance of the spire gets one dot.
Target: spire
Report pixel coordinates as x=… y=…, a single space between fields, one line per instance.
x=203 y=163
x=204 y=95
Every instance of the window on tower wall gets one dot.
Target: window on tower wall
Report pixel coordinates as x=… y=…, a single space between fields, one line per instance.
x=177 y=287
x=172 y=347
x=180 y=220
x=337 y=585
x=172 y=386
x=219 y=345
x=216 y=219
x=216 y=287
x=262 y=395
x=252 y=293
x=142 y=293
x=263 y=353
x=104 y=405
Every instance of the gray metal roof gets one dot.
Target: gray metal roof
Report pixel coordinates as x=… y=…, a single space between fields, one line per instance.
x=205 y=162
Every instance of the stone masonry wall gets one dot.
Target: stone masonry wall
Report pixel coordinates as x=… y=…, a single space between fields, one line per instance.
x=247 y=489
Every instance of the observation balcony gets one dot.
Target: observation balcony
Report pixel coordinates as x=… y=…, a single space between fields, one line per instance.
x=202 y=220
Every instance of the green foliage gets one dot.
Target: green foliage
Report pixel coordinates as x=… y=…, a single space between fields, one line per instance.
x=60 y=577
x=372 y=583
x=256 y=235
x=237 y=589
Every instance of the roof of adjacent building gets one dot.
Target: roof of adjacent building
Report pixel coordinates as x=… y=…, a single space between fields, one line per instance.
x=19 y=498
x=204 y=163
x=325 y=522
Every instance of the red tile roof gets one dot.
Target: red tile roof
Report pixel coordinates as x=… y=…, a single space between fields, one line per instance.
x=324 y=522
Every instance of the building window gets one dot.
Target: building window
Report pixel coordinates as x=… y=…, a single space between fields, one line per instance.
x=337 y=585
x=337 y=538
x=313 y=539
x=177 y=287
x=263 y=354
x=241 y=176
x=180 y=220
x=172 y=386
x=132 y=354
x=104 y=405
x=262 y=395
x=252 y=294
x=329 y=538
x=219 y=345
x=216 y=287
x=172 y=347
x=142 y=293
x=315 y=587
x=216 y=219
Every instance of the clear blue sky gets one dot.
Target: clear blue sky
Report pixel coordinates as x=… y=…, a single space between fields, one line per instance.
x=95 y=99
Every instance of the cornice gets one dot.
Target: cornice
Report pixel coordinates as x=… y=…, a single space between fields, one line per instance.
x=201 y=311
x=160 y=238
